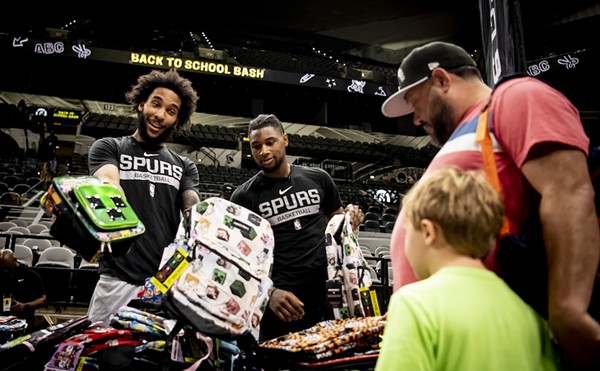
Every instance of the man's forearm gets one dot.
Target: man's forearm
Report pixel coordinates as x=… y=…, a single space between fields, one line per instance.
x=37 y=303
x=572 y=240
x=190 y=198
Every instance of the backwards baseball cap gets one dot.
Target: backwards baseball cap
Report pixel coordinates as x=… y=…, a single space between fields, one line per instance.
x=416 y=68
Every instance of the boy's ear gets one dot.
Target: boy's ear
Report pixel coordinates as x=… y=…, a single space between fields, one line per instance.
x=430 y=231
x=141 y=107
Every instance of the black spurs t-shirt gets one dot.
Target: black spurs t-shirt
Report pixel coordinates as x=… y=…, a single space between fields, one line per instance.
x=153 y=179
x=295 y=206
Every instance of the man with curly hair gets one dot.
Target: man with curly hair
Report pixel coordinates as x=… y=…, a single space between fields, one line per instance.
x=157 y=182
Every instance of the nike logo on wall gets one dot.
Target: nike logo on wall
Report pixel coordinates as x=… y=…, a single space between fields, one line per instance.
x=150 y=154
x=283 y=191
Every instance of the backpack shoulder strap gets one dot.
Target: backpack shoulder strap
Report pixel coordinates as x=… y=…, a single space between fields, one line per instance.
x=482 y=136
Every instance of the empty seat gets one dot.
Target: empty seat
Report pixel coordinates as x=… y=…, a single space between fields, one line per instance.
x=55 y=242
x=371 y=225
x=365 y=248
x=20 y=222
x=72 y=250
x=10 y=198
x=369 y=215
x=387 y=218
x=24 y=255
x=374 y=209
x=56 y=257
x=5 y=226
x=46 y=233
x=21 y=188
x=12 y=180
x=390 y=210
x=366 y=251
x=389 y=226
x=47 y=223
x=12 y=231
x=36 y=228
x=382 y=249
x=22 y=230
x=38 y=245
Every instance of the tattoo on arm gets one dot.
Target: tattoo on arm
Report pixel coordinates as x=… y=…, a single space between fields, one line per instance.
x=190 y=198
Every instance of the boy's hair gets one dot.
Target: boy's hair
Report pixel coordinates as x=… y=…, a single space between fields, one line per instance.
x=467 y=208
x=264 y=120
x=171 y=80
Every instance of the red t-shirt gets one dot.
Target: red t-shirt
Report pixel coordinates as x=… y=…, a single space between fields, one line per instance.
x=524 y=112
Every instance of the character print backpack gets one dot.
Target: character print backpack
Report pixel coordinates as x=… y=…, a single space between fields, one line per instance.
x=218 y=275
x=349 y=283
x=89 y=215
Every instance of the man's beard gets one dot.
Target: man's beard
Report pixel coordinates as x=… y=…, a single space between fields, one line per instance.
x=141 y=126
x=441 y=122
x=272 y=169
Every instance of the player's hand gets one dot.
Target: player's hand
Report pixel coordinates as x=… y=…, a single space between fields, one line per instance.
x=286 y=305
x=356 y=216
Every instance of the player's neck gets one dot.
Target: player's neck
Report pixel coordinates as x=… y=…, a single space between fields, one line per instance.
x=282 y=172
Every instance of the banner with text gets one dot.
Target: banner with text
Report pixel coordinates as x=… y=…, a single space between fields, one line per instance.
x=17 y=44
x=502 y=35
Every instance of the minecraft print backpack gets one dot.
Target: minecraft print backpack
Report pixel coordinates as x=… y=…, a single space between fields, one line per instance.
x=89 y=215
x=218 y=277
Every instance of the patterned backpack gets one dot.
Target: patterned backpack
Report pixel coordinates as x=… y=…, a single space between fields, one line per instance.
x=90 y=216
x=349 y=285
x=218 y=276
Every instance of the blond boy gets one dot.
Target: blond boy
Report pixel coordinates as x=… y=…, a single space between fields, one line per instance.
x=459 y=316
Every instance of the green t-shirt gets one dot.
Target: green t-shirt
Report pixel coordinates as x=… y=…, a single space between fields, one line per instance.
x=464 y=319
